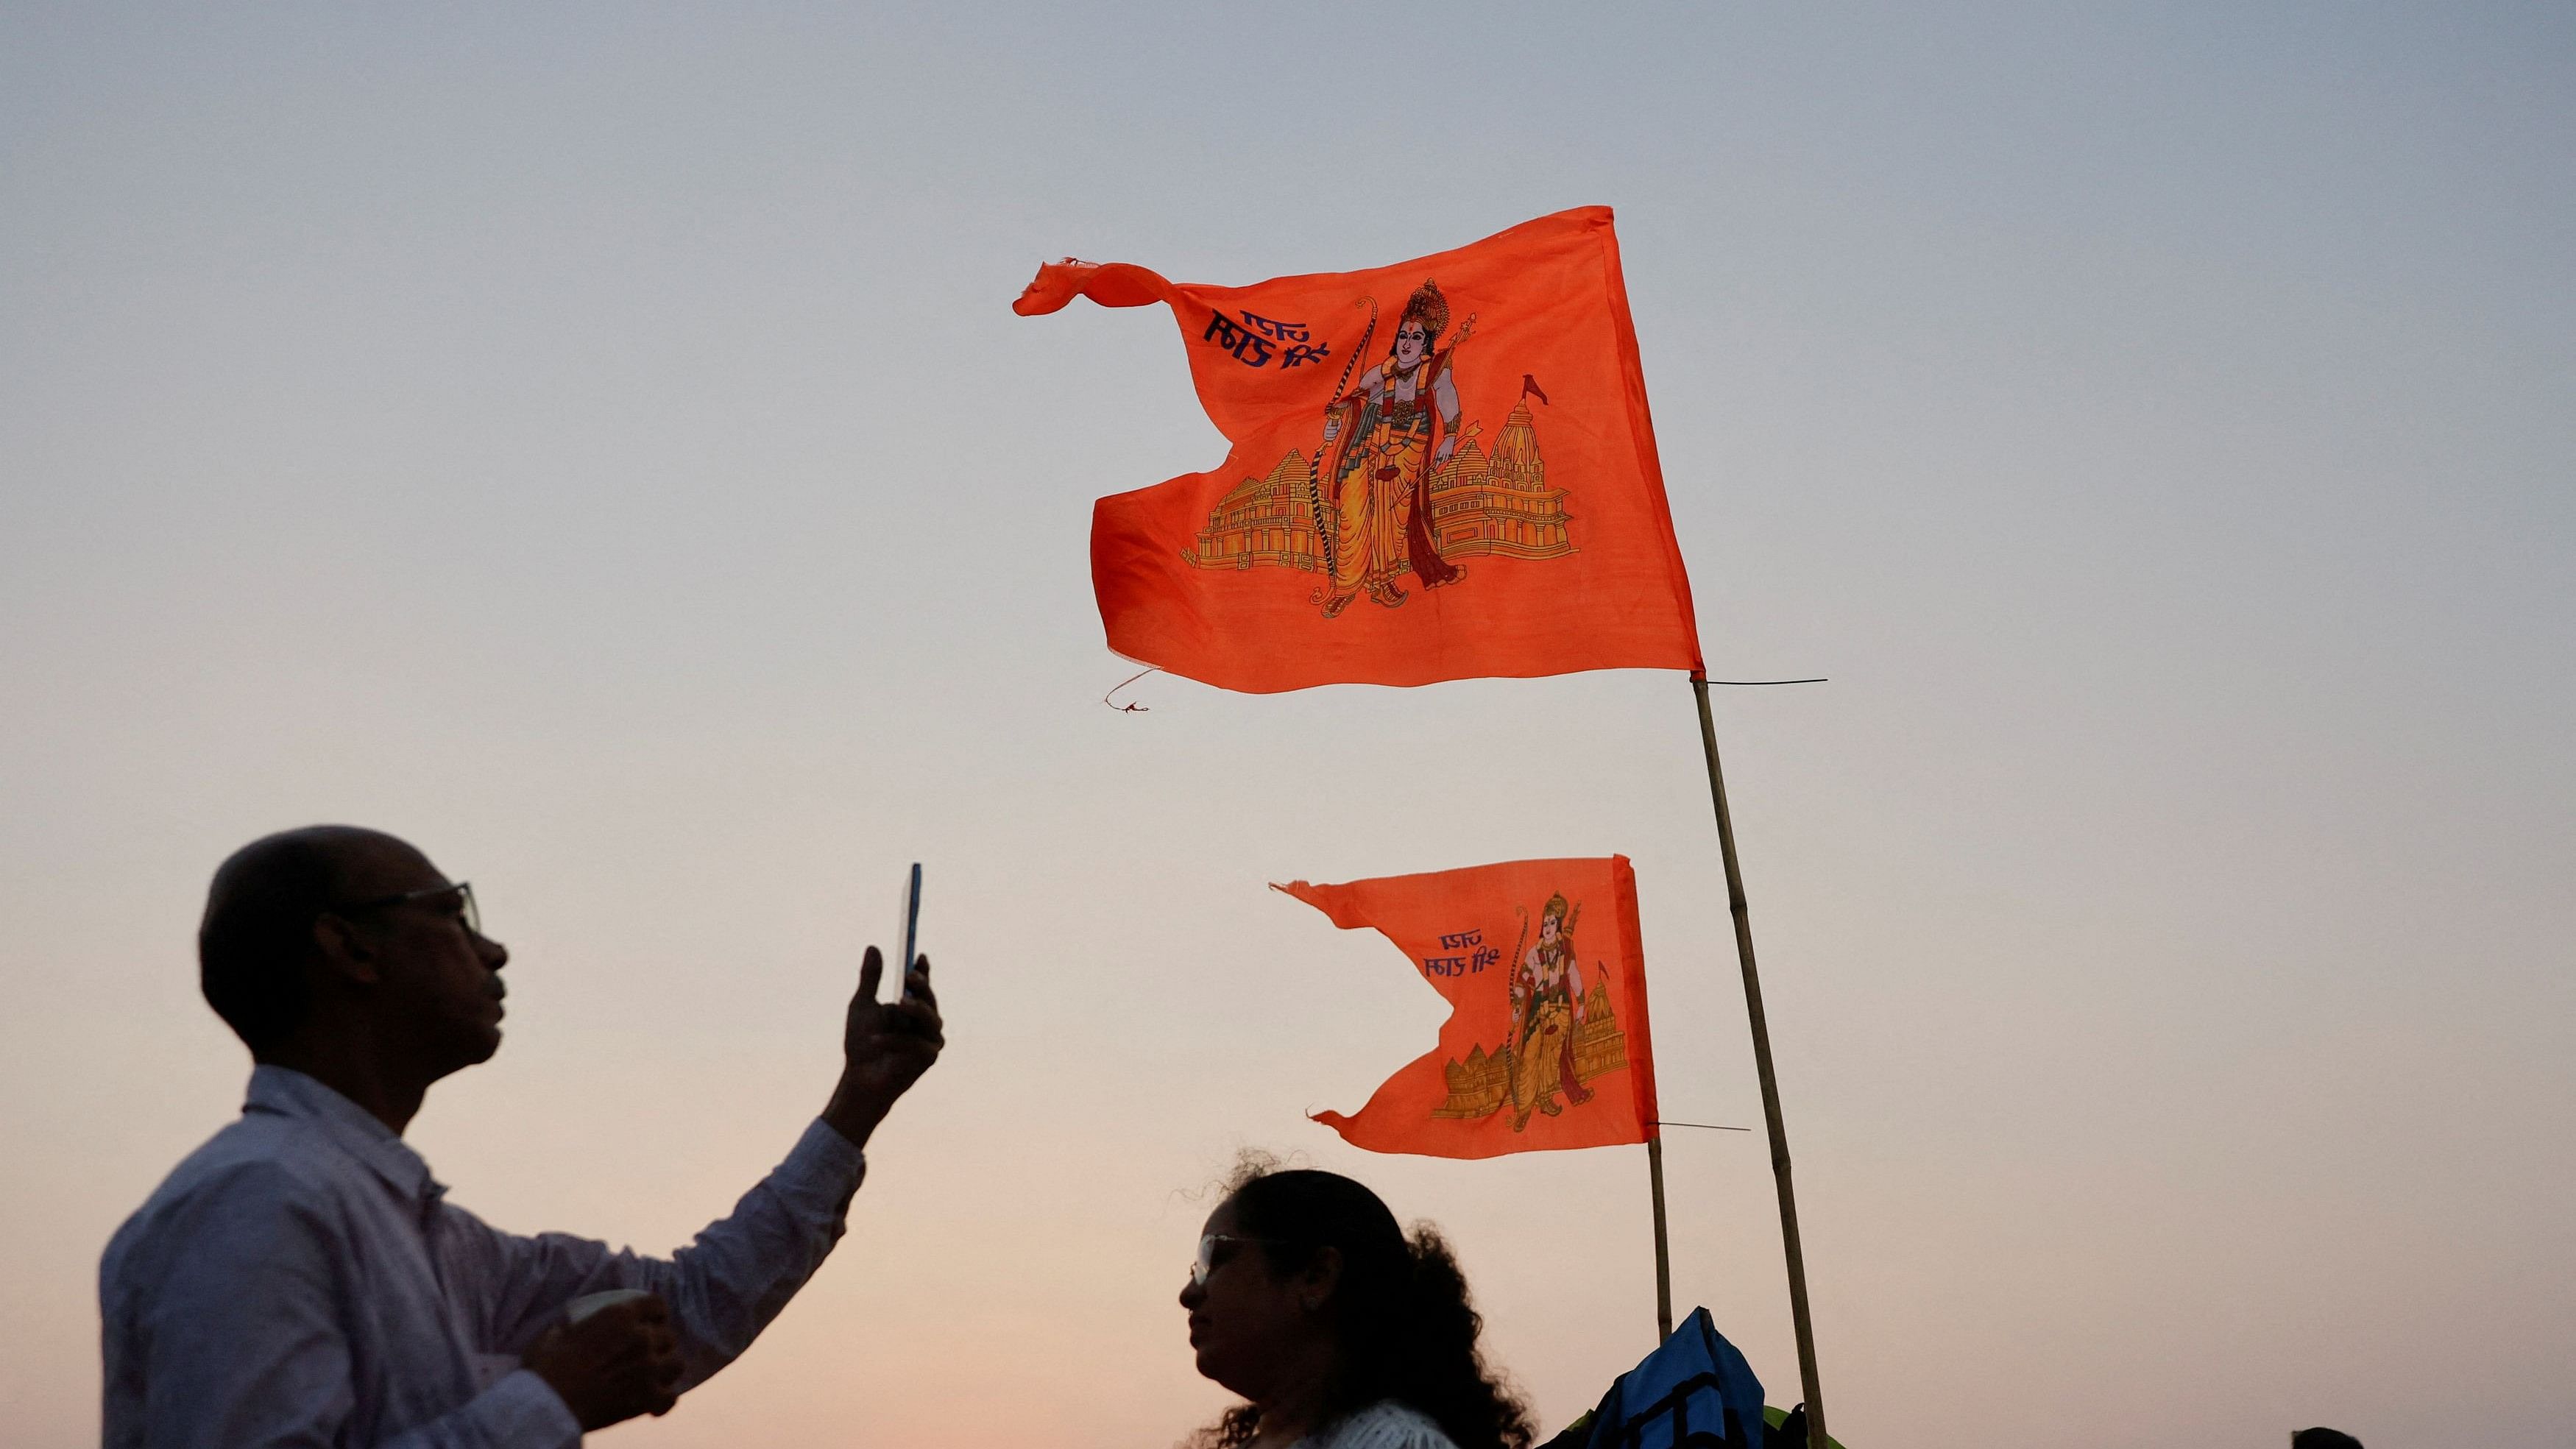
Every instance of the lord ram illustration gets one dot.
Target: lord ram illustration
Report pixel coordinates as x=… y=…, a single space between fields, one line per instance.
x=1399 y=487
x=1562 y=1035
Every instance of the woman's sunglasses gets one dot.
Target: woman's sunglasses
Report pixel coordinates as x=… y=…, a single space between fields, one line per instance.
x=1215 y=1251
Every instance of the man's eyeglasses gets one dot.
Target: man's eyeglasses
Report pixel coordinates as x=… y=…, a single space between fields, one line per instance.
x=1215 y=1251
x=466 y=910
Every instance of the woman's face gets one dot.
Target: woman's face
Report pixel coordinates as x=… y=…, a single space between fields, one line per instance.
x=1410 y=340
x=1245 y=1319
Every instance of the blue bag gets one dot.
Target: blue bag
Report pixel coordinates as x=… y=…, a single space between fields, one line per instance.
x=1695 y=1392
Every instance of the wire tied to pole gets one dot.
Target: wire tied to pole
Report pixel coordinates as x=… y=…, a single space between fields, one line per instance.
x=1110 y=700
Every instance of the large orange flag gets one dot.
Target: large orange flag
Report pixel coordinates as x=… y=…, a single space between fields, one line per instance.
x=1441 y=469
x=1546 y=1045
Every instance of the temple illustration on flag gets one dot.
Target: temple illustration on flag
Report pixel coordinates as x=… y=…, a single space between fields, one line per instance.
x=1480 y=504
x=1481 y=1085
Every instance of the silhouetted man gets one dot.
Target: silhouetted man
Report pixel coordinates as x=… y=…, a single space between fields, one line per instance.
x=301 y=1280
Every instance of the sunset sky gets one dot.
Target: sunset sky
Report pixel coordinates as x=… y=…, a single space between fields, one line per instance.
x=594 y=443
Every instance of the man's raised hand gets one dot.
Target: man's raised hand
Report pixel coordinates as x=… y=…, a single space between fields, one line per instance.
x=885 y=1046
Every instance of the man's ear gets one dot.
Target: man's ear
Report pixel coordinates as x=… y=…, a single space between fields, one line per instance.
x=343 y=949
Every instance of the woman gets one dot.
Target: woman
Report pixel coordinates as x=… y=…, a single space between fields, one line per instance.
x=1308 y=1300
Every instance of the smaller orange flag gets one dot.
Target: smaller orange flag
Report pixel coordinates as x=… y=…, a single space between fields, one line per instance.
x=1546 y=1045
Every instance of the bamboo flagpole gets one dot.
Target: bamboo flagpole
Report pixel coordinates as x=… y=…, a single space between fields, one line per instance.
x=1663 y=1246
x=1663 y=1239
x=1798 y=1315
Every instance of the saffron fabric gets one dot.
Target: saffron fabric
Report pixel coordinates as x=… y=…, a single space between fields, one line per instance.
x=302 y=1279
x=1547 y=1044
x=1440 y=469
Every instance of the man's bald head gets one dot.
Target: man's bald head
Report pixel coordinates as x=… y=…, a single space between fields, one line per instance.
x=257 y=936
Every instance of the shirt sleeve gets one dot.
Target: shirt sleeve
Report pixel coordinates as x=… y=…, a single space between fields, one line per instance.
x=723 y=1288
x=241 y=1343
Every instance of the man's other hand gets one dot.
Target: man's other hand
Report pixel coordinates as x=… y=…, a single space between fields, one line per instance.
x=617 y=1363
x=885 y=1047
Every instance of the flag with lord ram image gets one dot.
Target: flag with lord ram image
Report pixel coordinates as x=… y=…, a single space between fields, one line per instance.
x=1547 y=1044
x=1440 y=469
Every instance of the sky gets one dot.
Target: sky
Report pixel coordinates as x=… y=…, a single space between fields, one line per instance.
x=593 y=442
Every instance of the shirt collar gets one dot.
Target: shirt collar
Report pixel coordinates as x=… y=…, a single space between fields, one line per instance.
x=350 y=1127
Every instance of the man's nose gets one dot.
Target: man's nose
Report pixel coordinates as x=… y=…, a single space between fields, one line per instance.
x=495 y=955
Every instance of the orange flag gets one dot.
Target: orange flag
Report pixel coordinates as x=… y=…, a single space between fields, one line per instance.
x=1440 y=469
x=1546 y=1045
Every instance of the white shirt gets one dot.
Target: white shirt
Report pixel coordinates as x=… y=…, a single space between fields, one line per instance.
x=1385 y=1424
x=301 y=1280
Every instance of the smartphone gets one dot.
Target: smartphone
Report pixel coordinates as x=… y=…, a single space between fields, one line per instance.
x=590 y=1303
x=908 y=932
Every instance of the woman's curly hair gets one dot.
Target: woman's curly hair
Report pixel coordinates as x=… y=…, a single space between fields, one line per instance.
x=1400 y=1309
